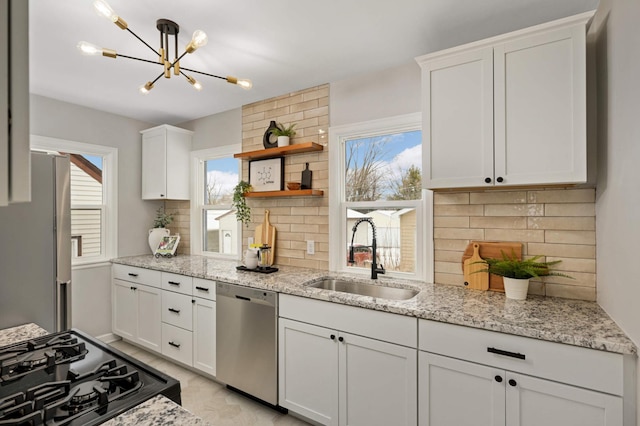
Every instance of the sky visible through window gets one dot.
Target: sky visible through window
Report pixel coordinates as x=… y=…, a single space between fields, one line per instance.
x=95 y=160
x=222 y=175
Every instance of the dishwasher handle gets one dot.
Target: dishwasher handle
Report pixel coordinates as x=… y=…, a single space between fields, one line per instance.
x=243 y=298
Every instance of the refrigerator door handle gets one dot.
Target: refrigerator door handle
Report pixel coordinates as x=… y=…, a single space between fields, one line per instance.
x=63 y=305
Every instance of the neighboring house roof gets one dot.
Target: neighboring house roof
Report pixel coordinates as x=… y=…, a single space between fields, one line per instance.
x=86 y=166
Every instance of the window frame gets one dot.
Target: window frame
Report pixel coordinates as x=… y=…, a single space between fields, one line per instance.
x=198 y=159
x=338 y=135
x=109 y=207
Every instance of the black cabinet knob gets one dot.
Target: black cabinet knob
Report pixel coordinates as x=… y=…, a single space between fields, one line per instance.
x=500 y=179
x=498 y=379
x=333 y=337
x=512 y=382
x=487 y=180
x=341 y=339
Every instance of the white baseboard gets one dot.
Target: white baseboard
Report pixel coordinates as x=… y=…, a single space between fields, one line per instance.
x=108 y=338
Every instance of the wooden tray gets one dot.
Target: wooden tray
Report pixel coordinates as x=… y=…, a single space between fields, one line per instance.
x=493 y=249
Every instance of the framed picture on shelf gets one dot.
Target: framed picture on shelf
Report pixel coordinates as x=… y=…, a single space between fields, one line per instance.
x=168 y=246
x=267 y=175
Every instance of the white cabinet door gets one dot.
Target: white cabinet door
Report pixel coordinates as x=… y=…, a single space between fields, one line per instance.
x=454 y=392
x=204 y=335
x=308 y=371
x=154 y=166
x=458 y=120
x=149 y=300
x=540 y=108
x=124 y=309
x=533 y=402
x=377 y=382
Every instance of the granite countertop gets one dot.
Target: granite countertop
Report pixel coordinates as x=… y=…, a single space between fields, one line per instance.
x=158 y=410
x=573 y=322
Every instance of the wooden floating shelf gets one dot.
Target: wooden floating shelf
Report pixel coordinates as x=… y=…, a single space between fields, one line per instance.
x=297 y=148
x=297 y=193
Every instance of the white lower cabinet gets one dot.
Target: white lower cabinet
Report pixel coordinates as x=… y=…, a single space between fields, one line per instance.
x=482 y=378
x=177 y=343
x=337 y=377
x=136 y=313
x=204 y=335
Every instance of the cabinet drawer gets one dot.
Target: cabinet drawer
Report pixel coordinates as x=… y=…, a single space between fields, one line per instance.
x=137 y=275
x=392 y=328
x=574 y=365
x=178 y=283
x=177 y=344
x=204 y=288
x=177 y=309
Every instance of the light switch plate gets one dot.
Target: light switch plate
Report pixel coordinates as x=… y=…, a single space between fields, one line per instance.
x=311 y=247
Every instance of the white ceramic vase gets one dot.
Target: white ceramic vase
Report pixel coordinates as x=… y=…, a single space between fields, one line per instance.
x=283 y=141
x=155 y=236
x=515 y=288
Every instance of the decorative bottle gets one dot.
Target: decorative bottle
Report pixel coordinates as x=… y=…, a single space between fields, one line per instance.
x=305 y=181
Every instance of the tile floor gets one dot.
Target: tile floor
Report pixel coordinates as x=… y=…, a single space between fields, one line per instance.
x=209 y=399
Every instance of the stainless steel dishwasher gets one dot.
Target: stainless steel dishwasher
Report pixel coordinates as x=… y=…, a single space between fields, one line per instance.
x=247 y=340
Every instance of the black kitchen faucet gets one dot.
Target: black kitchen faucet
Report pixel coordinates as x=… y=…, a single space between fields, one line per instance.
x=374 y=267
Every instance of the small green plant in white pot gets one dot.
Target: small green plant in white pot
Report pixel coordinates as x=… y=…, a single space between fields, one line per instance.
x=517 y=273
x=284 y=134
x=159 y=229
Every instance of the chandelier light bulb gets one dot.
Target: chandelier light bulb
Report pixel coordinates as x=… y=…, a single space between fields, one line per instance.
x=103 y=9
x=198 y=40
x=146 y=88
x=89 y=49
x=245 y=83
x=195 y=83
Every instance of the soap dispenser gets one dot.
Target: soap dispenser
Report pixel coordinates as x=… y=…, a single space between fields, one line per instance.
x=305 y=181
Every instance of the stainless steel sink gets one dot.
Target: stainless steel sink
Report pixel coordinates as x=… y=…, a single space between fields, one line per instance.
x=363 y=289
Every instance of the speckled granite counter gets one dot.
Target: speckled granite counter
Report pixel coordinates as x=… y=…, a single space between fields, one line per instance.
x=156 y=411
x=572 y=322
x=20 y=333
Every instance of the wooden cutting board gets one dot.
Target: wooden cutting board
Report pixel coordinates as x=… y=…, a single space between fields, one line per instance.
x=493 y=249
x=473 y=279
x=266 y=234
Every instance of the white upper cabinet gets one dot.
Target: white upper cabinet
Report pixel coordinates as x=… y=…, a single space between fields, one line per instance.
x=165 y=163
x=510 y=110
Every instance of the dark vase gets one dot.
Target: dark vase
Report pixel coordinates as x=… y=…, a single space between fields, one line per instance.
x=305 y=181
x=269 y=140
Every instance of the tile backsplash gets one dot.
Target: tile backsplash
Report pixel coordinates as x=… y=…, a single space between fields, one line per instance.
x=556 y=223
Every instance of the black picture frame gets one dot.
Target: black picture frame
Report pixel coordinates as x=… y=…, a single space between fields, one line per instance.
x=267 y=174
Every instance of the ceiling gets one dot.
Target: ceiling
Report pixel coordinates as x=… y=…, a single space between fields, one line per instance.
x=281 y=45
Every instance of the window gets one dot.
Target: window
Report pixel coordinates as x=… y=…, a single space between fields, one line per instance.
x=215 y=228
x=378 y=169
x=93 y=199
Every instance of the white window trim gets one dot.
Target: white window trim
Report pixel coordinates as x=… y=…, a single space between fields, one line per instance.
x=338 y=135
x=197 y=196
x=109 y=156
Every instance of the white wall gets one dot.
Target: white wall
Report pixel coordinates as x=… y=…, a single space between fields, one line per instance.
x=220 y=129
x=618 y=187
x=391 y=92
x=91 y=297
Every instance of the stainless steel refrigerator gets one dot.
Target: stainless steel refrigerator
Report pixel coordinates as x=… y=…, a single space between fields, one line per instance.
x=35 y=250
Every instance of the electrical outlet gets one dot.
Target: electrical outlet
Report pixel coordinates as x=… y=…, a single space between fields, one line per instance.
x=249 y=241
x=311 y=247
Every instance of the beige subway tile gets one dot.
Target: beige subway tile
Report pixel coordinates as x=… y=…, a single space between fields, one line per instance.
x=291 y=236
x=256 y=116
x=305 y=105
x=451 y=198
x=562 y=196
x=316 y=94
x=571 y=292
x=563 y=223
x=451 y=222
x=498 y=197
x=318 y=111
x=317 y=237
x=304 y=211
x=317 y=220
x=458 y=245
x=499 y=222
x=296 y=254
x=304 y=227
x=514 y=210
x=577 y=209
x=457 y=210
x=570 y=237
x=458 y=233
x=451 y=279
x=324 y=101
x=289 y=100
x=524 y=235
x=568 y=265
x=447 y=267
x=536 y=288
x=286 y=244
x=582 y=279
x=266 y=105
x=563 y=250
x=449 y=256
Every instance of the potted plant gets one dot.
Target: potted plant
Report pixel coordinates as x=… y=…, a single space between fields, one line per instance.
x=243 y=212
x=159 y=229
x=284 y=134
x=517 y=273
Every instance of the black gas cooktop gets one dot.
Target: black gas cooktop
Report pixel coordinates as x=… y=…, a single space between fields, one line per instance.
x=70 y=378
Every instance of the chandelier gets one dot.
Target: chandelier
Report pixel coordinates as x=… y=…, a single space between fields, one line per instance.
x=167 y=29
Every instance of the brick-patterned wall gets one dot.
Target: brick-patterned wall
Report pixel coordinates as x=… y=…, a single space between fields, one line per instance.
x=556 y=223
x=181 y=223
x=296 y=219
